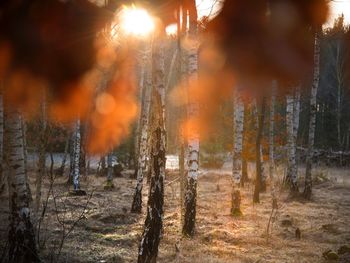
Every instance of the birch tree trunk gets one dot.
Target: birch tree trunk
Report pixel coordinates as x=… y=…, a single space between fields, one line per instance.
x=192 y=134
x=148 y=249
x=142 y=89
x=136 y=206
x=238 y=122
x=291 y=178
x=42 y=155
x=312 y=122
x=2 y=174
x=82 y=154
x=272 y=143
x=76 y=157
x=258 y=148
x=182 y=175
x=22 y=245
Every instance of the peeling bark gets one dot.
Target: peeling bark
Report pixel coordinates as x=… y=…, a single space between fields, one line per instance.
x=76 y=156
x=82 y=154
x=148 y=249
x=188 y=228
x=22 y=245
x=136 y=206
x=238 y=122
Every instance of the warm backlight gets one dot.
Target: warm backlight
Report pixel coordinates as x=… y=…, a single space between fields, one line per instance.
x=136 y=21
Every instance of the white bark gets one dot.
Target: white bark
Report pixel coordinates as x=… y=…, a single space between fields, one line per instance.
x=192 y=113
x=192 y=133
x=22 y=245
x=238 y=122
x=15 y=153
x=143 y=136
x=291 y=149
x=312 y=121
x=142 y=81
x=76 y=156
x=150 y=239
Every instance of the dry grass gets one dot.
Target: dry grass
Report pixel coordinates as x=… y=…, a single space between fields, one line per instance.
x=110 y=233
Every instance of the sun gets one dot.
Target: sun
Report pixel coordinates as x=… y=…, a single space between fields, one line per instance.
x=337 y=8
x=136 y=21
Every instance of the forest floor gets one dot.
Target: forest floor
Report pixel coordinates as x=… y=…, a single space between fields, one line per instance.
x=101 y=228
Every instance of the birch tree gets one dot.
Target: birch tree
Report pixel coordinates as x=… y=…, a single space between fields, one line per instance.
x=238 y=122
x=82 y=154
x=76 y=157
x=148 y=249
x=312 y=121
x=143 y=138
x=291 y=178
x=193 y=135
x=21 y=238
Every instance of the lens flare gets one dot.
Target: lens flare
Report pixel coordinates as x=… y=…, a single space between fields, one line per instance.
x=136 y=21
x=171 y=30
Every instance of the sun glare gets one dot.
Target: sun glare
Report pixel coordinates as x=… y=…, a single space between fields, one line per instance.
x=136 y=21
x=337 y=8
x=171 y=30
